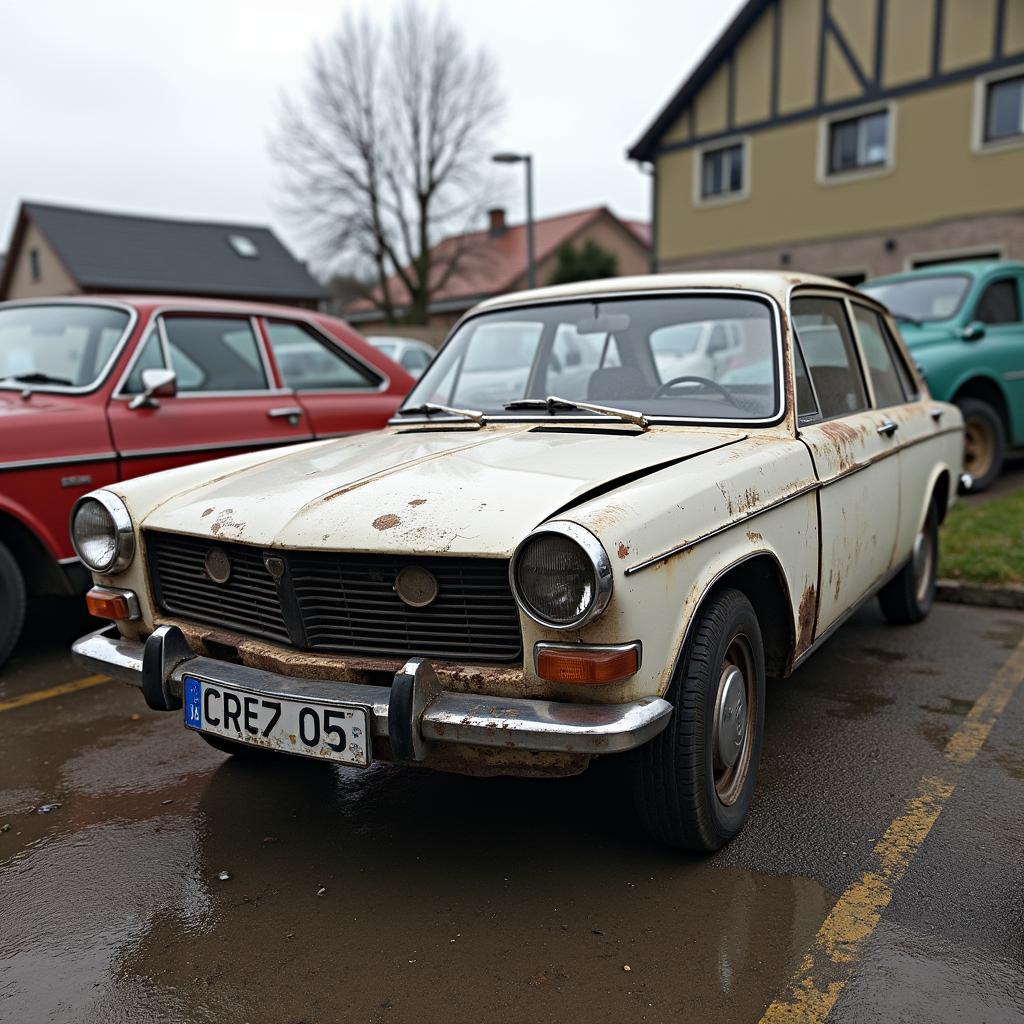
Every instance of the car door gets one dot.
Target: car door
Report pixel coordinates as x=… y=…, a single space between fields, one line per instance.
x=340 y=392
x=227 y=400
x=1000 y=308
x=850 y=443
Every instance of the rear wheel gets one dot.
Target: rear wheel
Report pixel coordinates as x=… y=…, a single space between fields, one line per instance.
x=694 y=782
x=12 y=602
x=909 y=596
x=984 y=442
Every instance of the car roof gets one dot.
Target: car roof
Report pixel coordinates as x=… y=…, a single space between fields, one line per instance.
x=972 y=268
x=773 y=283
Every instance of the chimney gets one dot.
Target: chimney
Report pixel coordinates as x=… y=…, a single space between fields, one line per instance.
x=496 y=225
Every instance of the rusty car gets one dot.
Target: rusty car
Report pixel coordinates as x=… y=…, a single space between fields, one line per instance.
x=610 y=567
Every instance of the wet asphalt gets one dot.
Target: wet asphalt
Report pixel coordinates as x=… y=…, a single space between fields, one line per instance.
x=399 y=895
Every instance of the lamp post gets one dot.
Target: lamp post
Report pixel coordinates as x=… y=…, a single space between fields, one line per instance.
x=524 y=158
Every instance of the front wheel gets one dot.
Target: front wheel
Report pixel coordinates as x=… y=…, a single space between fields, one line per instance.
x=908 y=597
x=984 y=442
x=694 y=782
x=12 y=602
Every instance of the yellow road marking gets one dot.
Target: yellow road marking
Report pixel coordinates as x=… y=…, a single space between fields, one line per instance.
x=828 y=965
x=53 y=691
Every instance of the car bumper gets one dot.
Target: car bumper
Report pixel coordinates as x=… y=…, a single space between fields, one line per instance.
x=414 y=714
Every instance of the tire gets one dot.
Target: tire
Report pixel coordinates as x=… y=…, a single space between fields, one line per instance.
x=675 y=776
x=241 y=750
x=12 y=603
x=984 y=442
x=909 y=596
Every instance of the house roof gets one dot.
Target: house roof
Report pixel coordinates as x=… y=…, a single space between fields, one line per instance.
x=645 y=147
x=499 y=262
x=123 y=252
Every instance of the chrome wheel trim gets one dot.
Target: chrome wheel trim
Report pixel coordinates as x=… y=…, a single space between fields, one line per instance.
x=732 y=728
x=979 y=447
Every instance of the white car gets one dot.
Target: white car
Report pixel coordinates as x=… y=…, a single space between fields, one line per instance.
x=411 y=355
x=522 y=587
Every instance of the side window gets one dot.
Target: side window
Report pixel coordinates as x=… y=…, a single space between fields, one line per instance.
x=827 y=345
x=214 y=354
x=999 y=303
x=309 y=364
x=806 y=406
x=415 y=359
x=878 y=356
x=150 y=357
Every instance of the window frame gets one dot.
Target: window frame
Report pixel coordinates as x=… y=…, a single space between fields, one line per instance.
x=334 y=345
x=980 y=143
x=720 y=198
x=827 y=176
x=156 y=321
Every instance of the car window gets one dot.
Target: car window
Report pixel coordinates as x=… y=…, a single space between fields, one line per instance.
x=150 y=357
x=414 y=359
x=387 y=348
x=827 y=345
x=999 y=303
x=879 y=358
x=806 y=406
x=308 y=363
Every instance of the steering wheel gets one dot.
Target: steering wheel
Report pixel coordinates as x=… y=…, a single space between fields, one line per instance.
x=694 y=379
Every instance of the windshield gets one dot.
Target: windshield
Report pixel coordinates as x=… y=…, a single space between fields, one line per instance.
x=696 y=357
x=64 y=345
x=922 y=298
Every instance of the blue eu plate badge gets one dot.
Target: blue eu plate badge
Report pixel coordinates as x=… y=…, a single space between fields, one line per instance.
x=193 y=703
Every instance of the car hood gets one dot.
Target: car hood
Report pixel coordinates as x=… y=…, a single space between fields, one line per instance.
x=460 y=491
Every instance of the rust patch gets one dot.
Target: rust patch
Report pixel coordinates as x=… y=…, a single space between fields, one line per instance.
x=622 y=550
x=754 y=537
x=843 y=438
x=805 y=618
x=388 y=522
x=224 y=521
x=417 y=501
x=750 y=500
x=206 y=513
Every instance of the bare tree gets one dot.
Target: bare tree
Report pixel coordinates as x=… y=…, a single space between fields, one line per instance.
x=385 y=153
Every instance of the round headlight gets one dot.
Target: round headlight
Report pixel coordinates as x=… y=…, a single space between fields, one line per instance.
x=561 y=576
x=101 y=531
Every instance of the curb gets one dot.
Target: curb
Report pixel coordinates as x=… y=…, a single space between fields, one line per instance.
x=992 y=595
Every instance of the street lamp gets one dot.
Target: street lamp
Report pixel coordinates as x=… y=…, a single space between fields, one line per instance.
x=524 y=158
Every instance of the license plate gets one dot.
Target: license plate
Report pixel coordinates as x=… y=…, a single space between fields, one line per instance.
x=332 y=732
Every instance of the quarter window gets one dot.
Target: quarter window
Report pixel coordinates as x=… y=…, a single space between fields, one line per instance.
x=308 y=364
x=860 y=142
x=1004 y=109
x=878 y=354
x=999 y=303
x=722 y=171
x=827 y=345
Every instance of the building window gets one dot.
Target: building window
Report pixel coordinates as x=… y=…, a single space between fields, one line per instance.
x=1004 y=109
x=722 y=171
x=858 y=143
x=33 y=264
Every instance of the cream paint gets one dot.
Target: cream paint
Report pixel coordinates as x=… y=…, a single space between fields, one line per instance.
x=469 y=491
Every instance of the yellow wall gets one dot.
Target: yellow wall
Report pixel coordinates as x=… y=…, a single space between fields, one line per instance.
x=53 y=278
x=935 y=175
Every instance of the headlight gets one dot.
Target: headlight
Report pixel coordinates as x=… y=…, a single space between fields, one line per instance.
x=561 y=576
x=101 y=531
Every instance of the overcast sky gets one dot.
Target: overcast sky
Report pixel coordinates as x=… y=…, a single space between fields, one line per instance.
x=167 y=108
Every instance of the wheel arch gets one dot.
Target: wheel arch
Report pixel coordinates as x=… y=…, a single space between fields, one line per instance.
x=40 y=570
x=986 y=389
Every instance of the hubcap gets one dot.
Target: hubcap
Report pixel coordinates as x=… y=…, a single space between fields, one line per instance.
x=979 y=447
x=732 y=732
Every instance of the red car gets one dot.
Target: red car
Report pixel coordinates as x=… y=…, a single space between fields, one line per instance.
x=94 y=390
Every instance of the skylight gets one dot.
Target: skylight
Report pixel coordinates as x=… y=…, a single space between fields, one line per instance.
x=244 y=246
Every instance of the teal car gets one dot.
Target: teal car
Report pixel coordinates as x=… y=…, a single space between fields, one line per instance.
x=963 y=325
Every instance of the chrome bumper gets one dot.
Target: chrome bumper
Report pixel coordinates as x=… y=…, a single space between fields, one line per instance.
x=413 y=713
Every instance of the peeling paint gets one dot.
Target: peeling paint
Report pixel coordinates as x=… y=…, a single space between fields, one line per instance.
x=622 y=550
x=417 y=501
x=805 y=618
x=386 y=522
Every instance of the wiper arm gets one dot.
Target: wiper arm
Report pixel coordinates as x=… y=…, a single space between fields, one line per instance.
x=426 y=408
x=38 y=378
x=552 y=402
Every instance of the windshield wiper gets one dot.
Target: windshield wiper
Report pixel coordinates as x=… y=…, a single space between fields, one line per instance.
x=907 y=318
x=38 y=378
x=552 y=402
x=426 y=408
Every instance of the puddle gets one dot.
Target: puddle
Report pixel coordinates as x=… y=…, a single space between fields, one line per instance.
x=957 y=706
x=858 y=704
x=936 y=733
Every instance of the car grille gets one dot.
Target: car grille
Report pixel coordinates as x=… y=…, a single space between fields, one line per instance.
x=341 y=603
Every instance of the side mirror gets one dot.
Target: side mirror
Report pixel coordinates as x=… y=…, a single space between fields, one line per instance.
x=974 y=331
x=156 y=383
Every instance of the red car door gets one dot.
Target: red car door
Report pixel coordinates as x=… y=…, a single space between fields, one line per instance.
x=227 y=400
x=344 y=385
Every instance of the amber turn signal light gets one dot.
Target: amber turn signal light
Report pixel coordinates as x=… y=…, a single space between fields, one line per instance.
x=108 y=603
x=588 y=666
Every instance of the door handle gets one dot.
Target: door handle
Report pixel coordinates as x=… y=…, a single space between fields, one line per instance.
x=888 y=428
x=291 y=413
x=936 y=414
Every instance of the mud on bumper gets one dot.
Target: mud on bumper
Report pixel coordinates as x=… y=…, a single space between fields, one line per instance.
x=414 y=714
